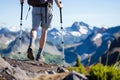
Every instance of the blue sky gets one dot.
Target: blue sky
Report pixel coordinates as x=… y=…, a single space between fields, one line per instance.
x=93 y=12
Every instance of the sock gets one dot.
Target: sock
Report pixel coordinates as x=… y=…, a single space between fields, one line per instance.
x=32 y=43
x=39 y=52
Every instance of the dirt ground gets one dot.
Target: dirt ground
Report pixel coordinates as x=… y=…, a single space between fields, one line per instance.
x=34 y=70
x=32 y=66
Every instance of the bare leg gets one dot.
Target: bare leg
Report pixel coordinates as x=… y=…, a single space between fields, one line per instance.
x=41 y=42
x=43 y=38
x=33 y=35
x=32 y=40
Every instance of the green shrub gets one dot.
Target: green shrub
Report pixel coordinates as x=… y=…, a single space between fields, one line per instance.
x=114 y=72
x=78 y=67
x=101 y=72
x=78 y=63
x=97 y=72
x=111 y=74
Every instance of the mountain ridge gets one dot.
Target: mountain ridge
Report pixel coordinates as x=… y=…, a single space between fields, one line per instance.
x=79 y=39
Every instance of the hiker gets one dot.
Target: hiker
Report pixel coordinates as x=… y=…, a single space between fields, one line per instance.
x=41 y=16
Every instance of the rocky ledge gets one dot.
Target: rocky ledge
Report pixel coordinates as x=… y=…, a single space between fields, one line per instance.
x=11 y=69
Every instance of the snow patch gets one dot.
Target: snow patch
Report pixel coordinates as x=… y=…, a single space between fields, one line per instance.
x=83 y=30
x=97 y=36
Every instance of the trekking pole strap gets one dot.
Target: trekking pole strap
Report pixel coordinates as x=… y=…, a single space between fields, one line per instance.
x=28 y=12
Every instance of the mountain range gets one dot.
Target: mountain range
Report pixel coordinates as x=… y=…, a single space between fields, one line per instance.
x=91 y=44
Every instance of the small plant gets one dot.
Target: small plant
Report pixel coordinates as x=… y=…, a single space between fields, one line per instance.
x=78 y=62
x=78 y=66
x=97 y=72
x=101 y=72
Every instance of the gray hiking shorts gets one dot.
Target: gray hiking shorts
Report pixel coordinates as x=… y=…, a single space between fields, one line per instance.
x=41 y=17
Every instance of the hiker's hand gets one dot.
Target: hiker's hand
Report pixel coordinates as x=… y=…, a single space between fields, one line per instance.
x=22 y=1
x=60 y=5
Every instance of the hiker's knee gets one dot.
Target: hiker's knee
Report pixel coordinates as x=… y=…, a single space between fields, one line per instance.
x=44 y=31
x=34 y=33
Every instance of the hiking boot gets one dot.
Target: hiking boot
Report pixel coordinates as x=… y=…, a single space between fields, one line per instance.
x=39 y=58
x=30 y=54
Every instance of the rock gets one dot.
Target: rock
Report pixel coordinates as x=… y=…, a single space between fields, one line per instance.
x=4 y=64
x=11 y=73
x=50 y=72
x=75 y=76
x=61 y=70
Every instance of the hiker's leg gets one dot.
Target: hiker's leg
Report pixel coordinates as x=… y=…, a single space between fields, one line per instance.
x=46 y=18
x=35 y=24
x=36 y=18
x=33 y=35
x=43 y=37
x=41 y=42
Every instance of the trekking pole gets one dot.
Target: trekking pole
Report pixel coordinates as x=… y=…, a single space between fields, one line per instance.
x=20 y=36
x=28 y=12
x=62 y=40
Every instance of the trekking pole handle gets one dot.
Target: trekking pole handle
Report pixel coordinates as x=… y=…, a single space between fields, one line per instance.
x=21 y=1
x=60 y=13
